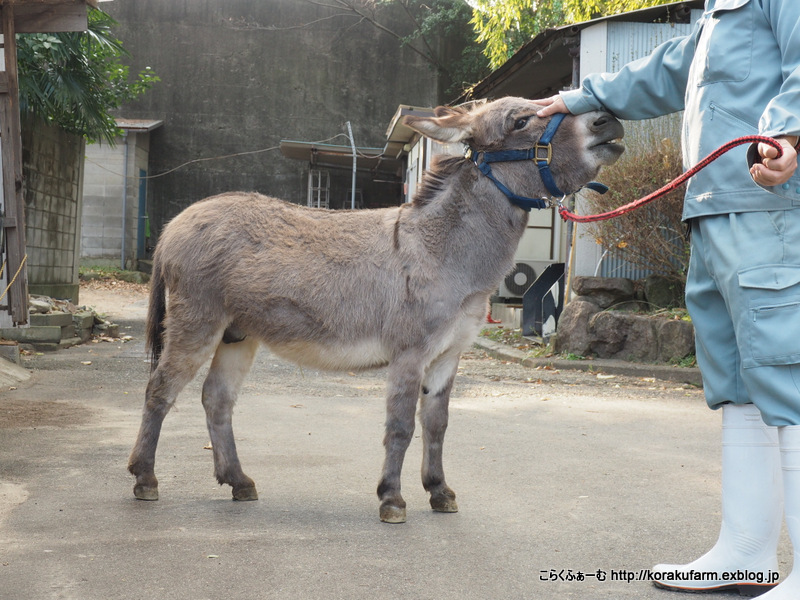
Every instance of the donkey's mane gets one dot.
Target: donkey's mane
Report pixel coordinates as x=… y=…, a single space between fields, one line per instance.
x=435 y=178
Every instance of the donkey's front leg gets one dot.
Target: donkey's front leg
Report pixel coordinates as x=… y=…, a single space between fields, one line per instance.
x=434 y=403
x=220 y=389
x=404 y=380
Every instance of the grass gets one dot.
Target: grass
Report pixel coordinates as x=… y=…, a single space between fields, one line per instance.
x=514 y=338
x=111 y=273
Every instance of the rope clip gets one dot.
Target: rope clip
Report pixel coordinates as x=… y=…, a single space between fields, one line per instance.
x=557 y=203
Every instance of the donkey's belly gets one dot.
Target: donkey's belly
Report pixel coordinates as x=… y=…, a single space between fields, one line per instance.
x=363 y=354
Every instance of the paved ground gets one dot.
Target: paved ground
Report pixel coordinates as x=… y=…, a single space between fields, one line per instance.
x=557 y=472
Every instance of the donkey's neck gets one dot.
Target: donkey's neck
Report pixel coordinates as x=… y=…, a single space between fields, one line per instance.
x=469 y=223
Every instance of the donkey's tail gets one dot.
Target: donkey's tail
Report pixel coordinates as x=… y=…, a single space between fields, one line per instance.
x=155 y=315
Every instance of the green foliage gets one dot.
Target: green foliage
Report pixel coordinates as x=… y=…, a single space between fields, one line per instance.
x=438 y=21
x=503 y=26
x=74 y=80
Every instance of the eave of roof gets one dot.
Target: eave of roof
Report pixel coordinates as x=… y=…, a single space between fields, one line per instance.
x=139 y=125
x=340 y=157
x=386 y=160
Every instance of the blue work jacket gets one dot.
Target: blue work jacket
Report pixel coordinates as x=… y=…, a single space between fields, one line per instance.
x=736 y=74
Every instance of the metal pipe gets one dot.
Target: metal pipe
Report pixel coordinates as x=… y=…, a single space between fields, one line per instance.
x=124 y=198
x=355 y=163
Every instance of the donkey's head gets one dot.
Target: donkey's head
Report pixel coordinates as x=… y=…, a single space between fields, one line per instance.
x=579 y=145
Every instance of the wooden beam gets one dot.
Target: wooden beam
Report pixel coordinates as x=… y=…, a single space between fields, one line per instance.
x=50 y=18
x=11 y=155
x=18 y=3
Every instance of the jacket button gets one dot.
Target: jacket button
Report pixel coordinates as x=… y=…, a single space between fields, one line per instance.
x=786 y=186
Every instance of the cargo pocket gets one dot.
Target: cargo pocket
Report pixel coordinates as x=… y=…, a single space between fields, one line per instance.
x=772 y=323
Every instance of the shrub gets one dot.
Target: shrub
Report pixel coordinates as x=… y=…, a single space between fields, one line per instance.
x=651 y=237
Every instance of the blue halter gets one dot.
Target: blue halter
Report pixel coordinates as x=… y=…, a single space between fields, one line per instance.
x=542 y=153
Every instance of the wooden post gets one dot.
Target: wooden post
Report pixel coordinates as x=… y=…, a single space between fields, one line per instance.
x=14 y=219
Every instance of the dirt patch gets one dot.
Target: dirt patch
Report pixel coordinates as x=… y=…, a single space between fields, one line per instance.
x=23 y=414
x=115 y=285
x=115 y=298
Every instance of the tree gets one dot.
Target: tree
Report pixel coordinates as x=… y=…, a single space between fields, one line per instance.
x=503 y=26
x=75 y=80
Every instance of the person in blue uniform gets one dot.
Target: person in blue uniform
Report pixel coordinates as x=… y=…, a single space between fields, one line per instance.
x=736 y=74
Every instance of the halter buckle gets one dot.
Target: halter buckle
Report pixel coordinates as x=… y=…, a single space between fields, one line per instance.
x=543 y=152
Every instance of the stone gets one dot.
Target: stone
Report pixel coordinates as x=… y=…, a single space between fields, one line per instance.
x=37 y=306
x=32 y=335
x=604 y=291
x=624 y=336
x=106 y=329
x=663 y=292
x=573 y=335
x=675 y=340
x=83 y=319
x=53 y=319
x=10 y=351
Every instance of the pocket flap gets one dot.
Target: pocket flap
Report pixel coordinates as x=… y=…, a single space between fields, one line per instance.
x=770 y=277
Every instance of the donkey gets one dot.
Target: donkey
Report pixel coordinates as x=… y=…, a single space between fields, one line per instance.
x=243 y=269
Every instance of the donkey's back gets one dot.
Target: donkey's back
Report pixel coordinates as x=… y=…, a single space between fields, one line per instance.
x=328 y=289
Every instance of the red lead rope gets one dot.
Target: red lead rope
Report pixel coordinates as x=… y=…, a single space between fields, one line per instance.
x=749 y=139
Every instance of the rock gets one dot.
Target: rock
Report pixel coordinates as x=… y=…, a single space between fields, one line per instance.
x=573 y=328
x=604 y=291
x=624 y=336
x=106 y=329
x=39 y=305
x=663 y=292
x=675 y=340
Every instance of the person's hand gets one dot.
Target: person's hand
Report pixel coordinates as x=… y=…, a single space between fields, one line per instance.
x=552 y=105
x=775 y=171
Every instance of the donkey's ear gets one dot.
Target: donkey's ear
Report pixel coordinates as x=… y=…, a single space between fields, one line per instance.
x=449 y=125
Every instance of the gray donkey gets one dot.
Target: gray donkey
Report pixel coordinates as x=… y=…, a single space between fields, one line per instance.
x=243 y=269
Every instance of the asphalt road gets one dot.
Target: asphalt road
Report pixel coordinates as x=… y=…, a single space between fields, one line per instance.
x=558 y=473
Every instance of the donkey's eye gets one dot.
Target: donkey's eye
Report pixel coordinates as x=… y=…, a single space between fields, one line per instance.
x=521 y=122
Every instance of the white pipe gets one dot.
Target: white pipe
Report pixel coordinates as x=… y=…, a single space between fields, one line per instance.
x=353 y=184
x=124 y=199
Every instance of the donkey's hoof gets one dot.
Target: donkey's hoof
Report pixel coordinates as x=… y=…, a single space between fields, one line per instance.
x=145 y=492
x=392 y=514
x=443 y=499
x=245 y=494
x=444 y=504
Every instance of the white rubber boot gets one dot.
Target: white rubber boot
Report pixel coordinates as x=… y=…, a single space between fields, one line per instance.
x=745 y=555
x=789 y=588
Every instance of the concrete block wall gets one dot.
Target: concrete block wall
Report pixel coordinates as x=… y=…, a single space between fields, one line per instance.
x=101 y=231
x=53 y=175
x=105 y=194
x=265 y=70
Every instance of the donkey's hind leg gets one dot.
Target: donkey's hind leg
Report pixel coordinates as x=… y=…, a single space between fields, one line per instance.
x=434 y=404
x=175 y=369
x=231 y=363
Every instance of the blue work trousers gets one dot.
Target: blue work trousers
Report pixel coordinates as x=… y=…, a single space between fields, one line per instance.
x=743 y=294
